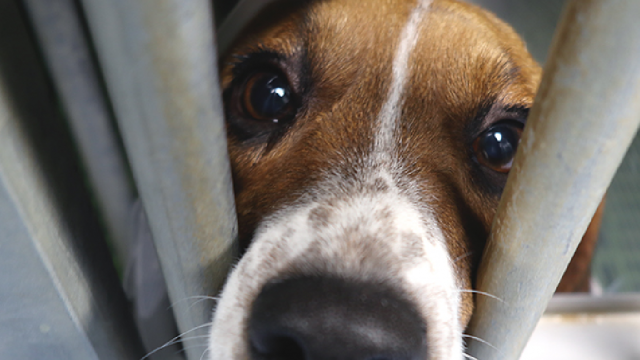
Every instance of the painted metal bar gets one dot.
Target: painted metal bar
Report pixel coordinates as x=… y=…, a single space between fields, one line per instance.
x=49 y=306
x=586 y=114
x=158 y=58
x=67 y=53
x=58 y=300
x=59 y=31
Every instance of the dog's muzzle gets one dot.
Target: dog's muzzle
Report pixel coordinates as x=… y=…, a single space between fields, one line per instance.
x=320 y=318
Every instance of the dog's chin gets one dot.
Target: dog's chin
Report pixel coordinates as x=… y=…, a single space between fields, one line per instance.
x=335 y=263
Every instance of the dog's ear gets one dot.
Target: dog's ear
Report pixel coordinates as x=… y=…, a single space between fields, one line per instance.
x=577 y=278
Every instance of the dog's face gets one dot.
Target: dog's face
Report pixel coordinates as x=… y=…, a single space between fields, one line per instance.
x=369 y=142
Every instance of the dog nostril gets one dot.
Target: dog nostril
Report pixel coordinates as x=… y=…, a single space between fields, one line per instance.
x=282 y=347
x=315 y=318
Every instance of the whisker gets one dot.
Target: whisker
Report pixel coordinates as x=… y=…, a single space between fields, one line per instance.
x=195 y=337
x=184 y=349
x=480 y=340
x=198 y=297
x=461 y=257
x=468 y=356
x=204 y=353
x=175 y=340
x=483 y=293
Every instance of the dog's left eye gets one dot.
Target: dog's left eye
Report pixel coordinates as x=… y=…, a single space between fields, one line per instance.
x=496 y=147
x=267 y=96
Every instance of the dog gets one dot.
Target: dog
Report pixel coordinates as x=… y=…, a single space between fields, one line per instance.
x=369 y=143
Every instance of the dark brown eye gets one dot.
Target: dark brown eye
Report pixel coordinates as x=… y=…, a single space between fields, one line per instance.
x=496 y=147
x=267 y=96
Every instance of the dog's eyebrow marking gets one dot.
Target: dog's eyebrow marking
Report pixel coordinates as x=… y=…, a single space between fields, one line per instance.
x=390 y=112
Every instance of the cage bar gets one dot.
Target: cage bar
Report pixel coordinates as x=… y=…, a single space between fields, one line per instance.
x=58 y=27
x=585 y=116
x=58 y=297
x=158 y=58
x=49 y=306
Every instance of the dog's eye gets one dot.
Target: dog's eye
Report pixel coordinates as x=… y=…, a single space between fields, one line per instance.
x=496 y=147
x=266 y=96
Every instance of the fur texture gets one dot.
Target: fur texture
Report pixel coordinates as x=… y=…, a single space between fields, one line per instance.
x=375 y=176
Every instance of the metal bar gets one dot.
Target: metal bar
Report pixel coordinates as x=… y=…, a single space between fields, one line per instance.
x=158 y=58
x=586 y=114
x=58 y=300
x=58 y=28
x=49 y=308
x=67 y=52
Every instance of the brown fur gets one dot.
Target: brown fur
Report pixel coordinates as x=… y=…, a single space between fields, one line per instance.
x=468 y=68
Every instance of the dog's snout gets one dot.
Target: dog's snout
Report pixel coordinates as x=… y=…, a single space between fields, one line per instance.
x=316 y=318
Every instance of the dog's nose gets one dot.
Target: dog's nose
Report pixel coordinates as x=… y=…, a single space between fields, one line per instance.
x=316 y=318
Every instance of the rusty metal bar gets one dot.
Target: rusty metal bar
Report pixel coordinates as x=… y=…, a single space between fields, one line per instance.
x=586 y=114
x=158 y=58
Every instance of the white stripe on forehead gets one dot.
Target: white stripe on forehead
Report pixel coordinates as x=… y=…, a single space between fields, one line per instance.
x=390 y=112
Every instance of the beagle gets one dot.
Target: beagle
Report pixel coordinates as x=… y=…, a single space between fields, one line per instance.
x=370 y=142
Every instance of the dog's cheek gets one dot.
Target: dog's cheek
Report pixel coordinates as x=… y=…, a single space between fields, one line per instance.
x=460 y=246
x=466 y=308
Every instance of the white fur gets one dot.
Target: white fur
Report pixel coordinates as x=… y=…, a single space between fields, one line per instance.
x=287 y=236
x=390 y=112
x=387 y=215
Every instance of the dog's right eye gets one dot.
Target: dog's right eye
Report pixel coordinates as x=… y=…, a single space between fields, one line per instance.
x=267 y=97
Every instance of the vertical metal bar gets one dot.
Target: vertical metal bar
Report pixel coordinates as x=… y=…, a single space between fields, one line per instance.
x=49 y=307
x=58 y=300
x=159 y=61
x=586 y=114
x=62 y=37
x=58 y=28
